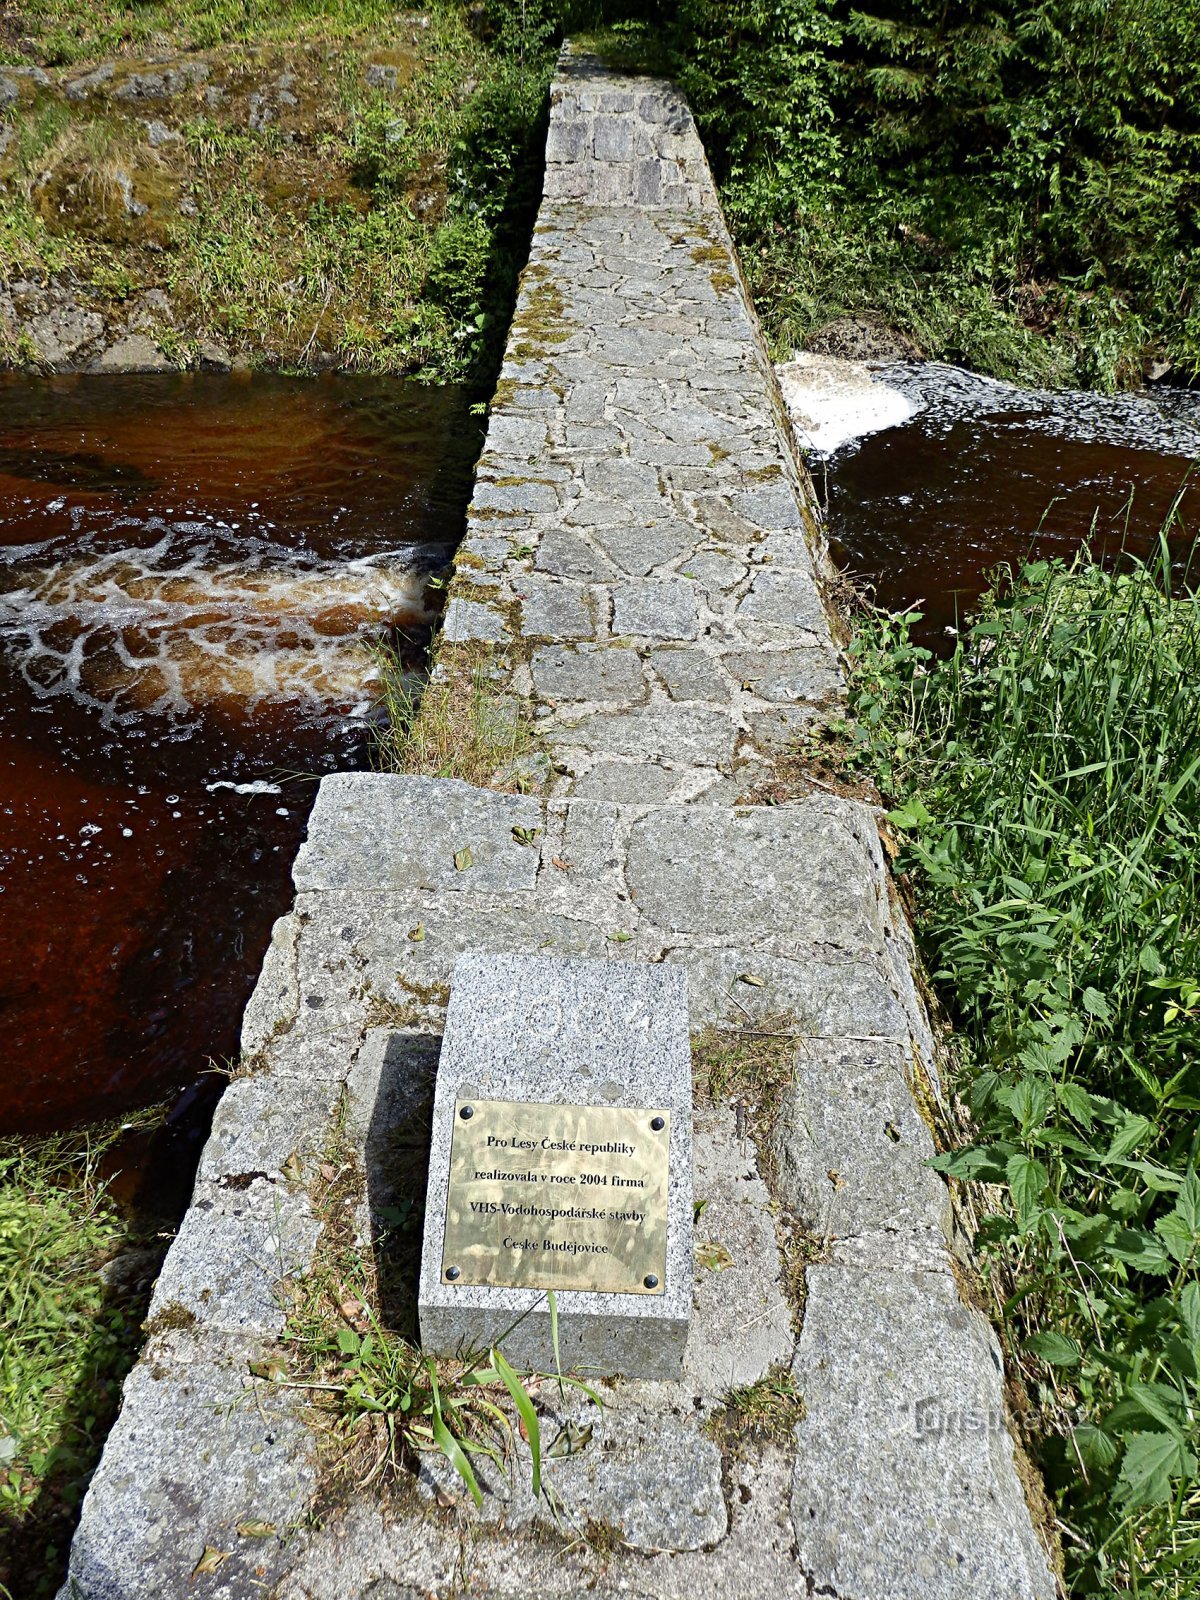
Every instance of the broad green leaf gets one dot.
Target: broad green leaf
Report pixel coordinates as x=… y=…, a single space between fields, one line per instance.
x=1177 y=1235
x=1140 y=1249
x=1189 y=1306
x=1151 y=1461
x=1055 y=1348
x=985 y=1163
x=1027 y=1180
x=1078 y=1103
x=1098 y=1449
x=912 y=814
x=1096 y=1005
x=1135 y=1130
x=1188 y=1204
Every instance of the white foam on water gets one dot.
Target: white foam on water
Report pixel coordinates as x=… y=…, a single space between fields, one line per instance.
x=831 y=401
x=133 y=631
x=259 y=786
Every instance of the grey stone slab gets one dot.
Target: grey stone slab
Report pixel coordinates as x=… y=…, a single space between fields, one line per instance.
x=510 y=434
x=790 y=598
x=563 y=673
x=678 y=733
x=412 y=974
x=904 y=1481
x=740 y=1302
x=656 y=608
x=385 y=831
x=642 y=1473
x=691 y=675
x=365 y=1556
x=810 y=673
x=630 y=782
x=851 y=1147
x=638 y=549
x=770 y=505
x=525 y=495
x=617 y=478
x=590 y=838
x=257 y=1128
x=199 y=1446
x=276 y=998
x=226 y=1269
x=612 y=139
x=824 y=997
x=716 y=574
x=705 y=870
x=782 y=727
x=553 y=609
x=577 y=1033
x=566 y=555
x=658 y=1485
x=466 y=620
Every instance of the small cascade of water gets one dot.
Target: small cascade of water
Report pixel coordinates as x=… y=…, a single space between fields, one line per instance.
x=170 y=632
x=936 y=477
x=191 y=570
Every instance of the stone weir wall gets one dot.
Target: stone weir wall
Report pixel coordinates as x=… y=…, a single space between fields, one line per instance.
x=641 y=587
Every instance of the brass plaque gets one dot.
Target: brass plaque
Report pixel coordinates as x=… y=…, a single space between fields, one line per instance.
x=557 y=1197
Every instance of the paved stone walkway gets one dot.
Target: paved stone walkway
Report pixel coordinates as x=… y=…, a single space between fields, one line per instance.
x=643 y=574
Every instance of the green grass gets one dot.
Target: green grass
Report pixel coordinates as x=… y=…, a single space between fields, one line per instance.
x=457 y=725
x=369 y=228
x=66 y=1341
x=1046 y=781
x=67 y=32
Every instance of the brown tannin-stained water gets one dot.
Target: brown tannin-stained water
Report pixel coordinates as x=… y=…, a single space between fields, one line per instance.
x=984 y=474
x=189 y=570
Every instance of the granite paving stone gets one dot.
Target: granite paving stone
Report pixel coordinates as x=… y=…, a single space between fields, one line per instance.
x=913 y=1399
x=664 y=608
x=561 y=673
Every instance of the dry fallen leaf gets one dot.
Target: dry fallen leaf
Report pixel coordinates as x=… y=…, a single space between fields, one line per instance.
x=210 y=1560
x=274 y=1370
x=350 y=1308
x=418 y=933
x=253 y=1529
x=327 y=1171
x=293 y=1171
x=752 y=979
x=562 y=864
x=714 y=1256
x=835 y=1178
x=570 y=1441
x=463 y=859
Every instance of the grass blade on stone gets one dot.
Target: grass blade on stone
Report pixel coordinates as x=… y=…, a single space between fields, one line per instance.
x=528 y=1415
x=448 y=1444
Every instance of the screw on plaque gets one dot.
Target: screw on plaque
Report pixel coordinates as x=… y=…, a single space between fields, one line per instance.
x=650 y=1281
x=453 y=1273
x=467 y=1113
x=658 y=1123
